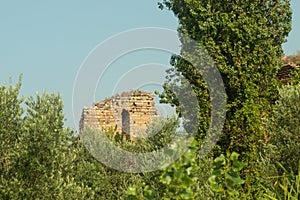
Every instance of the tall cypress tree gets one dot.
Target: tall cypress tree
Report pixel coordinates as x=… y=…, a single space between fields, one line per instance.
x=244 y=38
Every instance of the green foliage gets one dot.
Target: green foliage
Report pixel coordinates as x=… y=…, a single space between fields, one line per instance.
x=284 y=128
x=10 y=128
x=225 y=179
x=141 y=191
x=295 y=76
x=157 y=135
x=34 y=155
x=285 y=186
x=44 y=147
x=40 y=159
x=280 y=157
x=180 y=177
x=102 y=181
x=290 y=185
x=178 y=180
x=244 y=38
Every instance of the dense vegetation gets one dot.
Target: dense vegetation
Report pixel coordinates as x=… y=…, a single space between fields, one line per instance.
x=40 y=159
x=257 y=156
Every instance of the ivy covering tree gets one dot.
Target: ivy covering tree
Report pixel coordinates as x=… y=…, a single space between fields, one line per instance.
x=244 y=39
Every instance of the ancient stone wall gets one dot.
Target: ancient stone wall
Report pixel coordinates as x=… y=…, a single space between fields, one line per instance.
x=130 y=112
x=284 y=73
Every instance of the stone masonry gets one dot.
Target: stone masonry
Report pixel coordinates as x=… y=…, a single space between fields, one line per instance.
x=128 y=112
x=284 y=73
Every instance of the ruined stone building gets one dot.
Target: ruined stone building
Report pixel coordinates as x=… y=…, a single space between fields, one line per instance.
x=129 y=112
x=284 y=73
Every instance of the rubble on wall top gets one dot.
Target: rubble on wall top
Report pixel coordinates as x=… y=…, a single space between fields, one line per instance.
x=125 y=94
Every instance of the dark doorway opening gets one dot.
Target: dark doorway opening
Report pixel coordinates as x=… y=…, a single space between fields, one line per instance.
x=125 y=122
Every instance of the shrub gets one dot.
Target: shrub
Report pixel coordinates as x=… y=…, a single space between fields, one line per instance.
x=284 y=129
x=279 y=163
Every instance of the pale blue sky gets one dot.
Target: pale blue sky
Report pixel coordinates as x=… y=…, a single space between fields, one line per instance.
x=47 y=41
